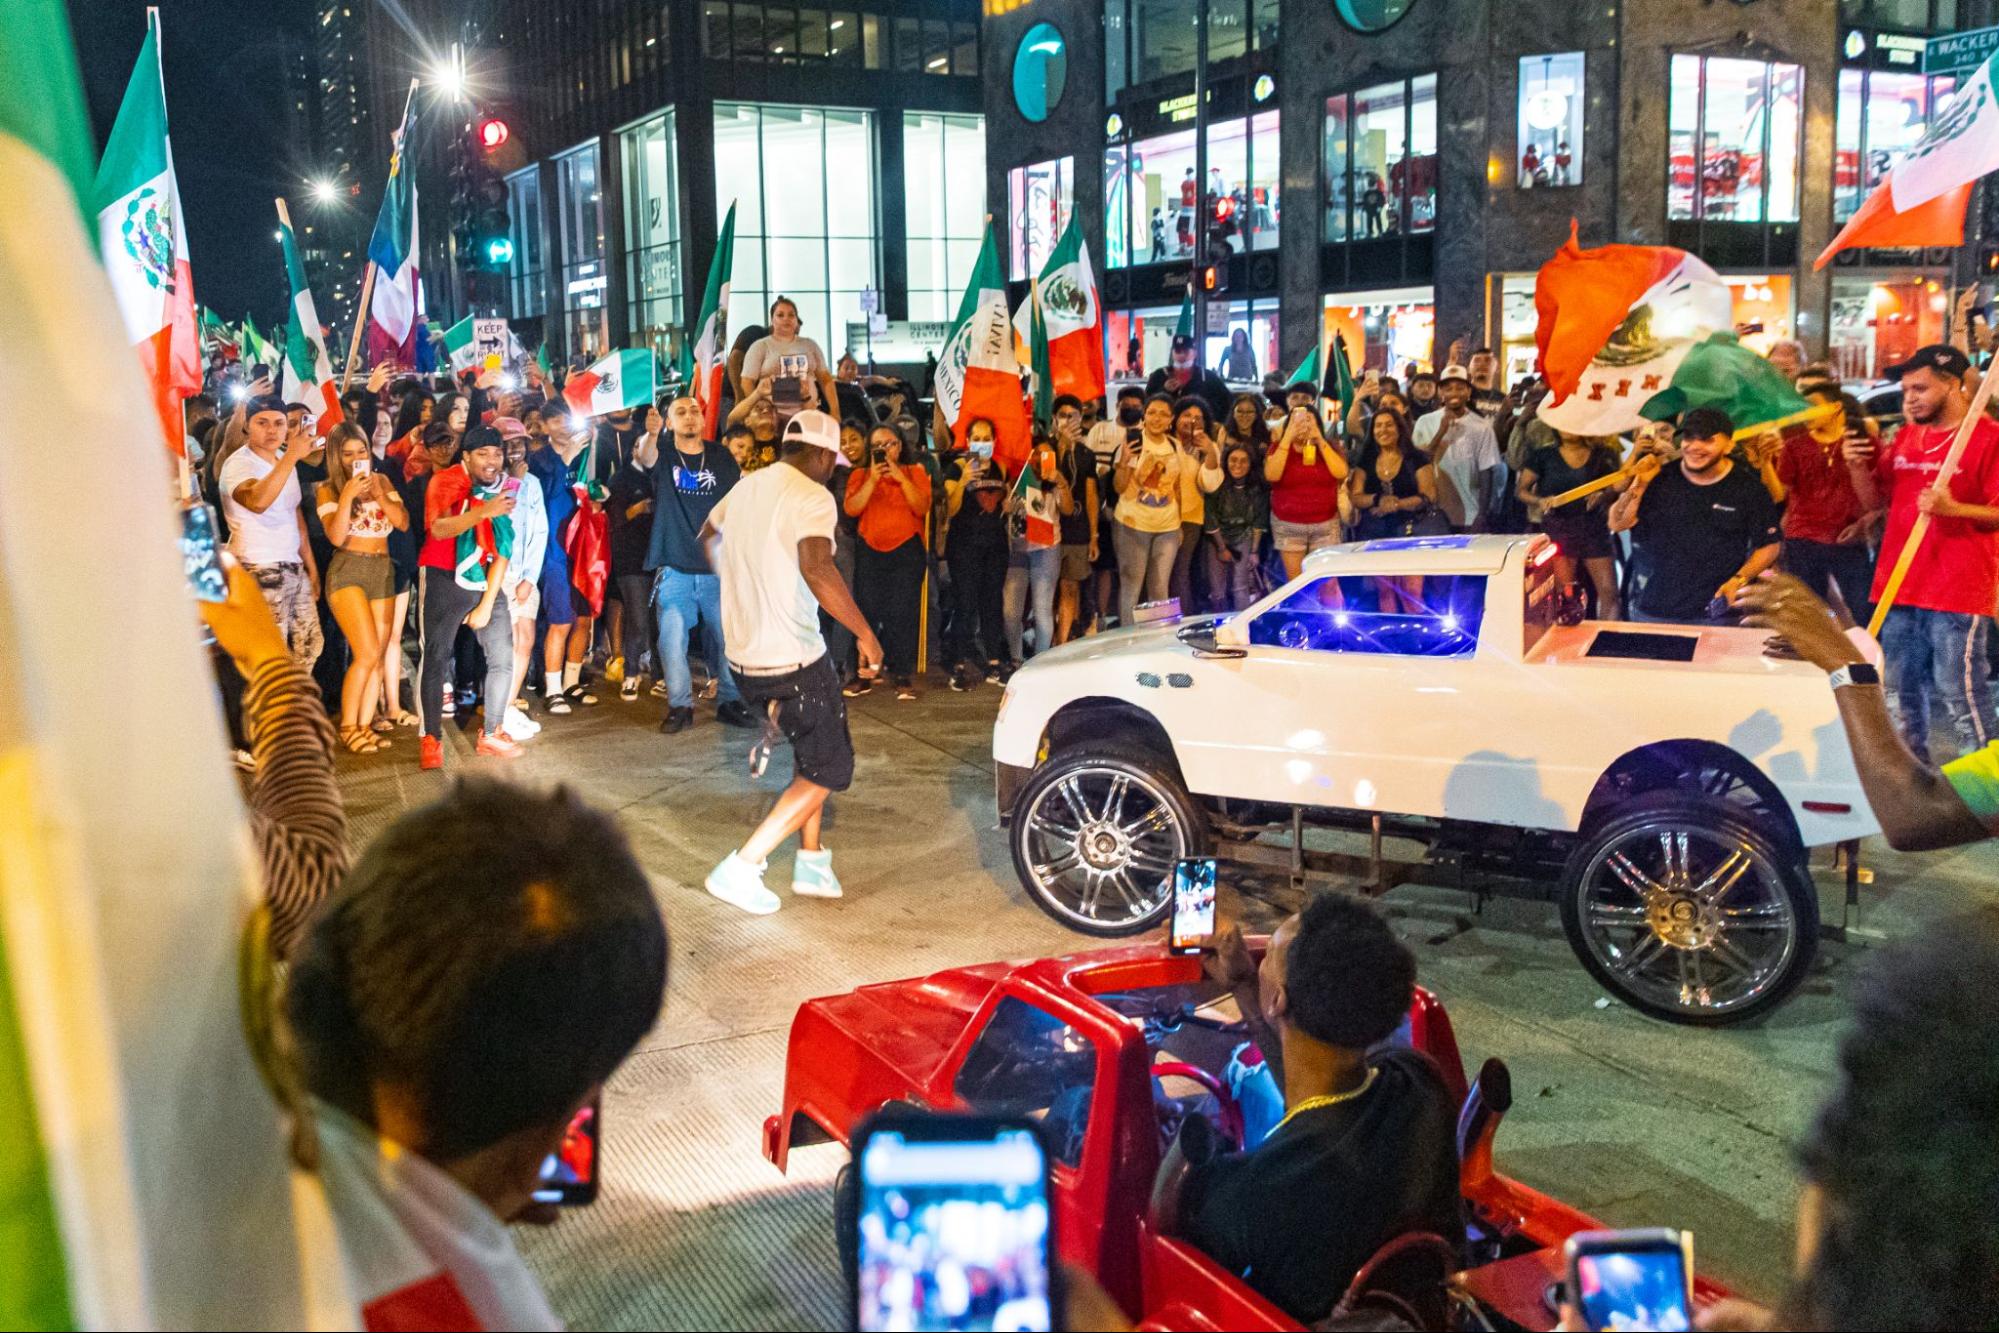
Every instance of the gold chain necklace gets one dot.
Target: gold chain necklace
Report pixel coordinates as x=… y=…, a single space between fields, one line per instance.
x=1331 y=1099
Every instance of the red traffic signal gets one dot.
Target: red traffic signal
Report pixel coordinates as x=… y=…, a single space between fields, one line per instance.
x=493 y=132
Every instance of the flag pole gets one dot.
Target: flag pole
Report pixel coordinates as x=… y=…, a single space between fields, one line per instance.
x=368 y=278
x=1920 y=528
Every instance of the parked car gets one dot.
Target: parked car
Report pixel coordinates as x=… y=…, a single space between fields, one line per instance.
x=1110 y=1050
x=1662 y=783
x=1881 y=398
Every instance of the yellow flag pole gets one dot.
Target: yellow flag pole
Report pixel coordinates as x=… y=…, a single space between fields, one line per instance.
x=1921 y=527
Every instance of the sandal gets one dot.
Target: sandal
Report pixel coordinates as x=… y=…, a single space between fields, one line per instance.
x=558 y=704
x=405 y=719
x=359 y=740
x=577 y=694
x=382 y=726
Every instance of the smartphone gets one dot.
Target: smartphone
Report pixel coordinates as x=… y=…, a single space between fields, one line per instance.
x=956 y=1228
x=569 y=1176
x=512 y=486
x=363 y=466
x=1193 y=904
x=1632 y=1279
x=200 y=555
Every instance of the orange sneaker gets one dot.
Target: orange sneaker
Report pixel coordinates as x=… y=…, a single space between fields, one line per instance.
x=430 y=753
x=493 y=743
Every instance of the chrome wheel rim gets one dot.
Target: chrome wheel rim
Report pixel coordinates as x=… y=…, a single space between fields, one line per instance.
x=1100 y=843
x=1687 y=918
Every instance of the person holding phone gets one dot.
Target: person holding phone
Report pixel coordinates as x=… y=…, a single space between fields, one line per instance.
x=263 y=503
x=1366 y=1150
x=1825 y=521
x=469 y=540
x=786 y=368
x=1193 y=432
x=359 y=508
x=1150 y=484
x=1305 y=472
x=1034 y=566
x=890 y=499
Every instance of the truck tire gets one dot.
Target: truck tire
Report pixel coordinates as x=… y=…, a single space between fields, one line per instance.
x=1689 y=910
x=1095 y=833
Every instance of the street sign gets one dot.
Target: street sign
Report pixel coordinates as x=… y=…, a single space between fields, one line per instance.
x=489 y=343
x=877 y=324
x=871 y=301
x=1960 y=52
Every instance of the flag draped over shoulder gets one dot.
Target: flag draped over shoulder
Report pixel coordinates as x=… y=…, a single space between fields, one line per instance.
x=1922 y=202
x=392 y=249
x=308 y=371
x=1614 y=324
x=706 y=354
x=143 y=240
x=978 y=370
x=134 y=1131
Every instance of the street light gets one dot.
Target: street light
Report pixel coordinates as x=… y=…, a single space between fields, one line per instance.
x=449 y=74
x=323 y=191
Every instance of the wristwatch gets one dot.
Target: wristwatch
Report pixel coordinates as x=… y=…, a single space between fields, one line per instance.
x=1855 y=673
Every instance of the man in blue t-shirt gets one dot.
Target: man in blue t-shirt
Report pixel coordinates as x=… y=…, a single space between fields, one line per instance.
x=688 y=479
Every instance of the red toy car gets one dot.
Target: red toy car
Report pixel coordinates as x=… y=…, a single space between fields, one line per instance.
x=1109 y=1050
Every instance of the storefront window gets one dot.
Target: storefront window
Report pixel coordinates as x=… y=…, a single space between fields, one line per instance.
x=1138 y=342
x=944 y=188
x=802 y=180
x=580 y=201
x=1384 y=330
x=1040 y=199
x=1551 y=120
x=526 y=299
x=1879 y=321
x=652 y=236
x=1381 y=160
x=1228 y=29
x=1163 y=38
x=1735 y=135
x=1881 y=116
x=1151 y=196
x=1764 y=308
x=1517 y=322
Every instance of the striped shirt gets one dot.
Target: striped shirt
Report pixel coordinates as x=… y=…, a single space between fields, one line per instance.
x=296 y=816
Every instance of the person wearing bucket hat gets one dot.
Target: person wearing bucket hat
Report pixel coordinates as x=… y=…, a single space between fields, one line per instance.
x=770 y=541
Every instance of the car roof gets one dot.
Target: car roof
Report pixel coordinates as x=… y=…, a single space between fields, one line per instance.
x=1456 y=554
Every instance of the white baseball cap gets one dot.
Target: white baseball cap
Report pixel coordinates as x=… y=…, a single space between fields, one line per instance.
x=816 y=428
x=1454 y=373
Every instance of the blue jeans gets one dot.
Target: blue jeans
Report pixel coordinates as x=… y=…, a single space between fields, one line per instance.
x=1037 y=572
x=678 y=601
x=1938 y=654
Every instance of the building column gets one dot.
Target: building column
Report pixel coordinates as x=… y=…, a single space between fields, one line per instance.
x=894 y=215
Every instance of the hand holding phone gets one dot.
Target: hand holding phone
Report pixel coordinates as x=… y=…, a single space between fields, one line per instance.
x=1193 y=918
x=1632 y=1279
x=569 y=1174
x=200 y=555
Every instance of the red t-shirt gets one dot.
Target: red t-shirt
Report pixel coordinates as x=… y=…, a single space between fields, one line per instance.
x=450 y=491
x=1821 y=502
x=1957 y=567
x=1306 y=493
x=888 y=521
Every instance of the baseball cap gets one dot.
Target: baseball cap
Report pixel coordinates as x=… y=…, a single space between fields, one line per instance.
x=1183 y=342
x=818 y=429
x=510 y=428
x=1453 y=373
x=437 y=432
x=482 y=437
x=1940 y=357
x=269 y=402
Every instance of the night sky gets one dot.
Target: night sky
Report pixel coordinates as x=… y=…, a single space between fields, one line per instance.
x=225 y=97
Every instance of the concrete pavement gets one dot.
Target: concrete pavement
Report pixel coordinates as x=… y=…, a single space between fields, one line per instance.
x=1640 y=1122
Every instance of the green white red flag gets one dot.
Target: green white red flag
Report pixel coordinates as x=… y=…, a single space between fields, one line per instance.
x=143 y=242
x=614 y=383
x=307 y=371
x=1614 y=325
x=1073 y=312
x=1922 y=202
x=710 y=342
x=1035 y=501
x=978 y=370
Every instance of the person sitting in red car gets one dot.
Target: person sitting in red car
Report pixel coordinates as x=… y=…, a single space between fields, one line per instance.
x=1365 y=1152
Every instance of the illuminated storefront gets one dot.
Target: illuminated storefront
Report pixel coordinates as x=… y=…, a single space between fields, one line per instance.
x=1387 y=330
x=1878 y=321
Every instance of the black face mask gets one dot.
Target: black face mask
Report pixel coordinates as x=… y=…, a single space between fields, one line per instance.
x=1129 y=416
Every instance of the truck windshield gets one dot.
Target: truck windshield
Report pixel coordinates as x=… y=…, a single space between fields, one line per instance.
x=1030 y=1063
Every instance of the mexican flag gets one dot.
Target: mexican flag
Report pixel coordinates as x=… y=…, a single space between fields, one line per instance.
x=144 y=1181
x=1924 y=198
x=1720 y=372
x=1614 y=325
x=1341 y=388
x=1039 y=355
x=392 y=249
x=710 y=343
x=257 y=349
x=1184 y=326
x=1035 y=501
x=458 y=350
x=618 y=381
x=216 y=335
x=144 y=245
x=308 y=373
x=1073 y=313
x=978 y=371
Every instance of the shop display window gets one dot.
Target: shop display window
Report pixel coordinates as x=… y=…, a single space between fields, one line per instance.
x=1152 y=198
x=1381 y=160
x=1881 y=116
x=1040 y=199
x=1735 y=132
x=1551 y=121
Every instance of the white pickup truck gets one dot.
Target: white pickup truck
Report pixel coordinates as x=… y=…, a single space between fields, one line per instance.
x=1661 y=782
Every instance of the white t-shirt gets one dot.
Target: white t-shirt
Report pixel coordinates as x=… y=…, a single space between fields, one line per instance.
x=1459 y=452
x=269 y=538
x=772 y=356
x=770 y=618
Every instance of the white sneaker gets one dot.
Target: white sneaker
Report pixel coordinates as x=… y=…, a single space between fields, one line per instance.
x=519 y=726
x=740 y=884
x=812 y=875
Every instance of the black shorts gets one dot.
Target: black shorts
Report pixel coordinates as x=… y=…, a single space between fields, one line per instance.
x=812 y=716
x=1580 y=539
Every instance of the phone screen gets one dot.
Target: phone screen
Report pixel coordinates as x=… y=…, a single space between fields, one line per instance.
x=1643 y=1286
x=1193 y=903
x=569 y=1175
x=953 y=1231
x=199 y=555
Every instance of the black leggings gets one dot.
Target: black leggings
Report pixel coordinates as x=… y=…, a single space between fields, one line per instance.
x=978 y=607
x=889 y=587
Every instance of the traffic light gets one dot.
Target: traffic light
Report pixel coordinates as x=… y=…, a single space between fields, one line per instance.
x=1214 y=278
x=480 y=224
x=493 y=132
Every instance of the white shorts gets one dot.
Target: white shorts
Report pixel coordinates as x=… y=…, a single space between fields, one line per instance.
x=527 y=610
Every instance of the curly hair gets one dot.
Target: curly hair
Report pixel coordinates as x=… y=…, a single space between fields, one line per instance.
x=1903 y=1152
x=1347 y=978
